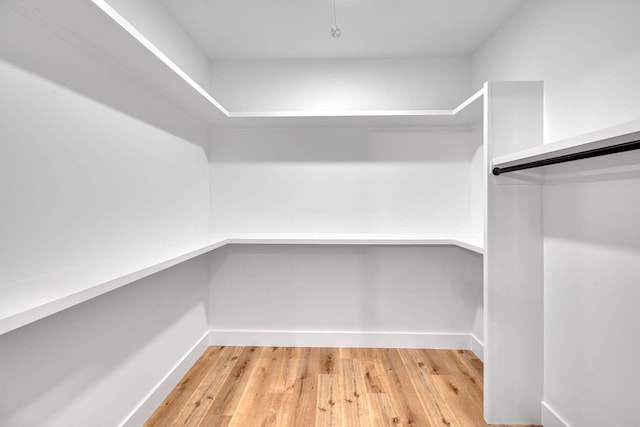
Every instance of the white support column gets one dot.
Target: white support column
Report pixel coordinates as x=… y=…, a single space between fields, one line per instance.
x=513 y=260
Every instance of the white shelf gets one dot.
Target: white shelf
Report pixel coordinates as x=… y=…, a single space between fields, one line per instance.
x=468 y=242
x=619 y=134
x=25 y=302
x=105 y=36
x=466 y=115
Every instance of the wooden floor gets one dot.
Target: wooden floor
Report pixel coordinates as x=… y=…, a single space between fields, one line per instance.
x=305 y=387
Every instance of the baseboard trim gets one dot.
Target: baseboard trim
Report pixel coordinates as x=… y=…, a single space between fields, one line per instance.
x=477 y=347
x=550 y=418
x=153 y=400
x=458 y=341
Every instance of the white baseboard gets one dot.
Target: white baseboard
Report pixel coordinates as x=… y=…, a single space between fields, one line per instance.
x=477 y=347
x=151 y=402
x=550 y=418
x=458 y=341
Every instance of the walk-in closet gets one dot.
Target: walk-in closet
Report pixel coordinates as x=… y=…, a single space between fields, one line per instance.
x=320 y=213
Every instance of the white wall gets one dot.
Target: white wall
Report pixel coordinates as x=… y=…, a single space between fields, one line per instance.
x=592 y=247
x=586 y=51
x=155 y=22
x=477 y=185
x=93 y=363
x=341 y=181
x=477 y=200
x=39 y=45
x=341 y=84
x=345 y=288
x=81 y=182
x=587 y=54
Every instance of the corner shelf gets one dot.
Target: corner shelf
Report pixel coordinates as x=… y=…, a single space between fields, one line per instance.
x=29 y=300
x=120 y=48
x=465 y=115
x=103 y=35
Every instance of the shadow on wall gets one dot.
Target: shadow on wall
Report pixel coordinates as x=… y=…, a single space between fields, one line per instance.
x=345 y=288
x=595 y=201
x=343 y=145
x=343 y=180
x=592 y=248
x=32 y=48
x=91 y=364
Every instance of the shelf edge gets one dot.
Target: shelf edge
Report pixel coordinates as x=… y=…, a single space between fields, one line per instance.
x=605 y=137
x=100 y=286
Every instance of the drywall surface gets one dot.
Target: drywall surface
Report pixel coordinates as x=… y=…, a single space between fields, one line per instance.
x=592 y=247
x=477 y=181
x=341 y=84
x=33 y=42
x=380 y=289
x=81 y=182
x=586 y=51
x=156 y=24
x=341 y=181
x=477 y=198
x=92 y=364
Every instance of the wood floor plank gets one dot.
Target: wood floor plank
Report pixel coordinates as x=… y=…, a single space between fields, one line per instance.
x=449 y=382
x=414 y=412
x=327 y=413
x=289 y=368
x=259 y=399
x=172 y=405
x=202 y=397
x=225 y=403
x=327 y=387
x=371 y=362
x=382 y=411
x=304 y=403
x=352 y=386
x=468 y=381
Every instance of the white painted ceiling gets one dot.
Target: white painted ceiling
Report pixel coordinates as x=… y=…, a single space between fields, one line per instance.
x=265 y=29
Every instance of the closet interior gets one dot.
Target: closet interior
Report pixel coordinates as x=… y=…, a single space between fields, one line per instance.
x=143 y=220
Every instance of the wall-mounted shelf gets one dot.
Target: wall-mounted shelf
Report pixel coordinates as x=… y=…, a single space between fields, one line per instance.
x=466 y=115
x=597 y=140
x=27 y=301
x=24 y=302
x=468 y=242
x=105 y=36
x=103 y=39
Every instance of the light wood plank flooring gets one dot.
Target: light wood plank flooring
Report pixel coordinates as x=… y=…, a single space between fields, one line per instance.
x=305 y=387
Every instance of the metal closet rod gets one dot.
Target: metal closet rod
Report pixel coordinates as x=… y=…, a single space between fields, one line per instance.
x=596 y=152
